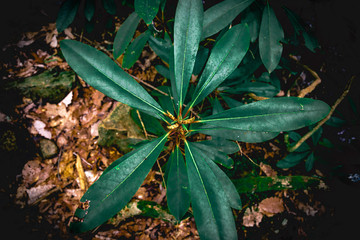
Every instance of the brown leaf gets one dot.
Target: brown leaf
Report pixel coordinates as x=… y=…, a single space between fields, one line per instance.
x=31 y=172
x=252 y=217
x=82 y=177
x=267 y=169
x=66 y=166
x=271 y=206
x=37 y=192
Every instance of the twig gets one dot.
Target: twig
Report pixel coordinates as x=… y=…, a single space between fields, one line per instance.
x=319 y=124
x=313 y=85
x=242 y=153
x=255 y=97
x=161 y=172
x=142 y=124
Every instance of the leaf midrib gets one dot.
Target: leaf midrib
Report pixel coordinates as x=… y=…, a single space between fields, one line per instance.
x=120 y=85
x=237 y=5
x=207 y=82
x=252 y=116
x=108 y=195
x=202 y=181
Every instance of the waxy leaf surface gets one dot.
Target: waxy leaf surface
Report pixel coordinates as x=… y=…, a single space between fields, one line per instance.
x=187 y=33
x=224 y=58
x=147 y=9
x=214 y=154
x=125 y=34
x=222 y=14
x=66 y=14
x=117 y=186
x=178 y=198
x=89 y=9
x=103 y=74
x=236 y=135
x=270 y=35
x=135 y=48
x=212 y=212
x=271 y=115
x=229 y=188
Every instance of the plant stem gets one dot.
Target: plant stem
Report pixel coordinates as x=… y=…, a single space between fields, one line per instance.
x=319 y=124
x=313 y=85
x=142 y=124
x=242 y=153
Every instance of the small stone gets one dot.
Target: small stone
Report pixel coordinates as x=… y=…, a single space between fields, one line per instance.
x=48 y=148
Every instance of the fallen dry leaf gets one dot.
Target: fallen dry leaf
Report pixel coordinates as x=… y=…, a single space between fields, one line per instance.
x=307 y=209
x=39 y=127
x=31 y=172
x=82 y=177
x=37 y=192
x=267 y=169
x=271 y=206
x=252 y=217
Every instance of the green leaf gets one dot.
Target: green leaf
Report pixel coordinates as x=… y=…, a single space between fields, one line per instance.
x=66 y=14
x=224 y=58
x=262 y=184
x=147 y=9
x=231 y=102
x=296 y=137
x=310 y=41
x=177 y=194
x=165 y=101
x=89 y=9
x=259 y=88
x=116 y=187
x=220 y=145
x=162 y=70
x=335 y=122
x=220 y=134
x=222 y=14
x=229 y=188
x=187 y=33
x=162 y=5
x=212 y=212
x=109 y=6
x=271 y=115
x=292 y=159
x=214 y=154
x=271 y=33
x=316 y=136
x=134 y=50
x=252 y=18
x=236 y=135
x=151 y=124
x=125 y=34
x=309 y=162
x=103 y=74
x=326 y=143
x=162 y=47
x=201 y=57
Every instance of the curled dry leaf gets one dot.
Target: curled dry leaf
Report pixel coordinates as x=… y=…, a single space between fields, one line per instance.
x=271 y=206
x=31 y=172
x=307 y=209
x=37 y=192
x=82 y=177
x=252 y=217
x=267 y=169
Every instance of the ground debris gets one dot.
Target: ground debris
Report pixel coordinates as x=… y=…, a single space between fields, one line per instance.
x=271 y=206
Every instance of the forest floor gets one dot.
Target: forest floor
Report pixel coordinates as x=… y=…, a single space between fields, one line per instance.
x=50 y=155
